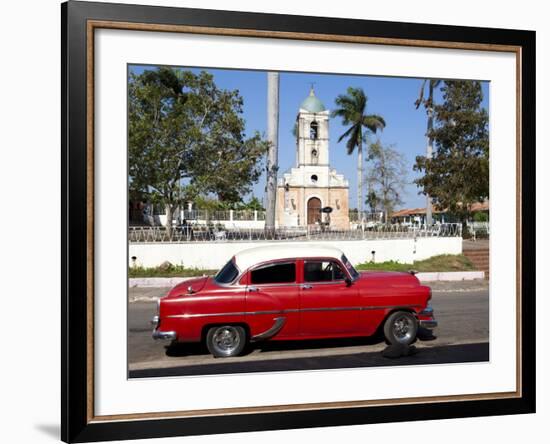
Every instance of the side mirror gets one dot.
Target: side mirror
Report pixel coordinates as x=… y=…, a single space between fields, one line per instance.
x=348 y=281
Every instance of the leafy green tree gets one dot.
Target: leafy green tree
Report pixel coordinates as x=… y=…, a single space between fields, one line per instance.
x=352 y=107
x=387 y=177
x=254 y=204
x=186 y=139
x=212 y=204
x=457 y=175
x=428 y=103
x=481 y=216
x=372 y=200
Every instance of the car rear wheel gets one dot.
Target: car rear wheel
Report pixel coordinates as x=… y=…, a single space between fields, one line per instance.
x=224 y=341
x=400 y=328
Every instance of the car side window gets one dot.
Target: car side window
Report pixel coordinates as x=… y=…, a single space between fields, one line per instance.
x=322 y=271
x=283 y=273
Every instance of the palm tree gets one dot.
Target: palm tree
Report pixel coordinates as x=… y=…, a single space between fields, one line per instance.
x=428 y=103
x=352 y=108
x=273 y=154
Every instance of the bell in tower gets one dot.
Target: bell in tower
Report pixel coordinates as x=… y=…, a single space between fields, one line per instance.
x=312 y=124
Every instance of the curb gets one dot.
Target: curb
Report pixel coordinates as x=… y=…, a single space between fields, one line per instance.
x=424 y=277
x=451 y=276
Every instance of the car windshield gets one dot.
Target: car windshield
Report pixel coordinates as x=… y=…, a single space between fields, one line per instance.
x=227 y=274
x=352 y=271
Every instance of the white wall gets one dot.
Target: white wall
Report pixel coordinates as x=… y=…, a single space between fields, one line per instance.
x=433 y=246
x=212 y=255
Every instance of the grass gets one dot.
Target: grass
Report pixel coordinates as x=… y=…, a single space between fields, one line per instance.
x=171 y=271
x=444 y=262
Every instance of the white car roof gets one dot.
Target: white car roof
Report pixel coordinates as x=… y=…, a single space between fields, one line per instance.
x=247 y=258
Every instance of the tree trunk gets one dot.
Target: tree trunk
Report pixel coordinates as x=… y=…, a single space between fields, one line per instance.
x=429 y=149
x=272 y=155
x=464 y=223
x=169 y=221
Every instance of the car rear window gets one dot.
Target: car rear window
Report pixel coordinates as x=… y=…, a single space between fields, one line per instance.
x=227 y=274
x=282 y=273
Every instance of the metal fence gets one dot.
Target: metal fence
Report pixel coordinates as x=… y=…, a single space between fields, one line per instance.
x=204 y=233
x=365 y=216
x=241 y=215
x=213 y=215
x=478 y=230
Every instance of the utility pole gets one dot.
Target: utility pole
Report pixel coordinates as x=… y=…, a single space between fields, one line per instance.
x=272 y=155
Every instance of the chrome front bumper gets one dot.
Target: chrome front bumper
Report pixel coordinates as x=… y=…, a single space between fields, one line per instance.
x=428 y=323
x=164 y=335
x=432 y=323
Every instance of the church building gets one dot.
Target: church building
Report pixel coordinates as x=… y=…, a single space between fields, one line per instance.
x=310 y=186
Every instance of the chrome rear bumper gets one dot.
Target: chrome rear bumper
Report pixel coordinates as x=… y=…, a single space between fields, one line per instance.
x=164 y=335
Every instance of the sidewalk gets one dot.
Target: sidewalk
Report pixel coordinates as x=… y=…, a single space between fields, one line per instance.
x=458 y=287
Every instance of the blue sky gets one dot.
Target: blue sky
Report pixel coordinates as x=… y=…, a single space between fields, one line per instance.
x=391 y=97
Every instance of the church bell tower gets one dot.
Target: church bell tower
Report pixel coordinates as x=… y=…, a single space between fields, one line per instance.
x=311 y=184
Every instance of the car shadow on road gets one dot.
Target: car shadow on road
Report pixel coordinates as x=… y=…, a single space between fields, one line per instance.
x=179 y=349
x=315 y=344
x=444 y=354
x=424 y=334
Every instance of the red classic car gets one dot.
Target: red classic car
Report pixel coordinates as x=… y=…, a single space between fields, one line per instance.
x=287 y=293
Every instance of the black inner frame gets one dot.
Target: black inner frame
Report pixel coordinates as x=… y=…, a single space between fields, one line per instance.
x=74 y=423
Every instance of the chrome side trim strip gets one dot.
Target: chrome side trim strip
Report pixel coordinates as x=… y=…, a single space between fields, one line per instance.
x=269 y=333
x=291 y=310
x=374 y=307
x=339 y=281
x=202 y=315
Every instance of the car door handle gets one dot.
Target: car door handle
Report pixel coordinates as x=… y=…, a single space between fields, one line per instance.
x=251 y=289
x=307 y=286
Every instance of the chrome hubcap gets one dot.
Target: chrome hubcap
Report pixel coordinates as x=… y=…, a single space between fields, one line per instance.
x=403 y=328
x=226 y=339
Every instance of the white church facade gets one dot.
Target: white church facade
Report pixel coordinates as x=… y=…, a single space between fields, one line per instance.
x=312 y=185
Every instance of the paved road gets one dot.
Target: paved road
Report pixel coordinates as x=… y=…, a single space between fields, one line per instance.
x=462 y=310
x=479 y=244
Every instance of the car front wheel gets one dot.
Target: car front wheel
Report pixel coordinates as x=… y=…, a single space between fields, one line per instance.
x=224 y=341
x=400 y=328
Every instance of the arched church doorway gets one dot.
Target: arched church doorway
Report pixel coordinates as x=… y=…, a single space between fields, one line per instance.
x=313 y=211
